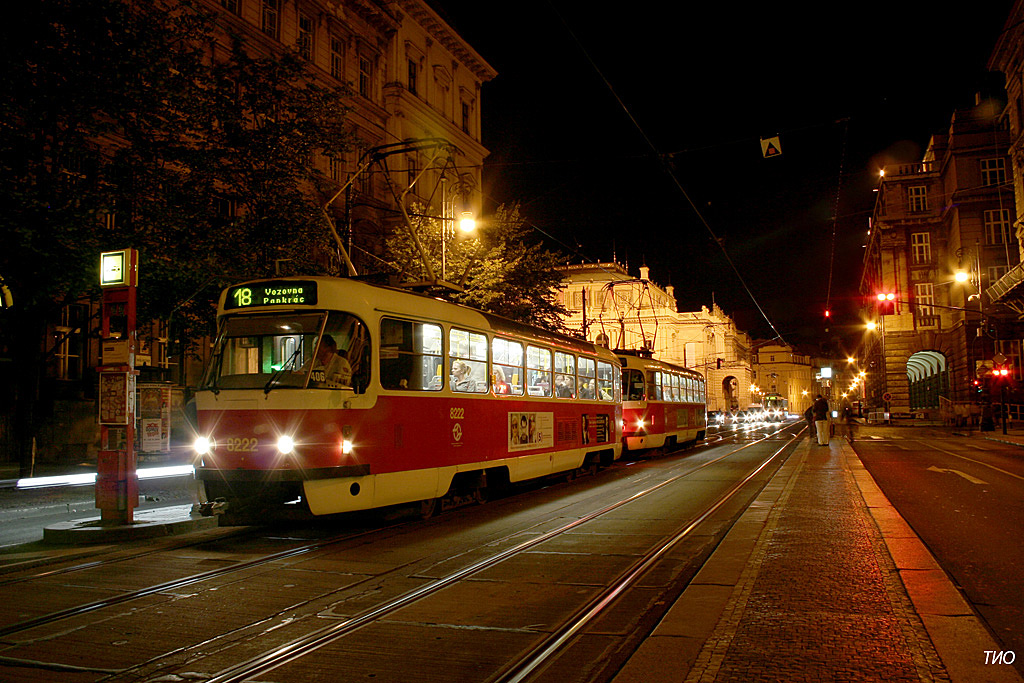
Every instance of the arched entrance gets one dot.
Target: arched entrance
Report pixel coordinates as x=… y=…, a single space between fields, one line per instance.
x=731 y=393
x=928 y=377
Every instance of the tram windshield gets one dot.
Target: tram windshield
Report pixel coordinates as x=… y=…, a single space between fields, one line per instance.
x=322 y=350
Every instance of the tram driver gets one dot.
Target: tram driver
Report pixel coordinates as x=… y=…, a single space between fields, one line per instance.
x=329 y=366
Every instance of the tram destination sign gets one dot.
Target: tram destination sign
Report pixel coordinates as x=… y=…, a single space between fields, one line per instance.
x=271 y=293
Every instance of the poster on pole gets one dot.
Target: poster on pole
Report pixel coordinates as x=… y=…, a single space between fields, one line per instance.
x=154 y=418
x=117 y=397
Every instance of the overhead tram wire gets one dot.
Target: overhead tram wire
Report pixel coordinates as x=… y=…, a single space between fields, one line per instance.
x=662 y=160
x=835 y=215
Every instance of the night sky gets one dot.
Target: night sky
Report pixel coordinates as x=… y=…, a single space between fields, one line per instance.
x=699 y=85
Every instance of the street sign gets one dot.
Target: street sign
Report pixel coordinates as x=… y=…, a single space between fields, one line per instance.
x=771 y=147
x=887 y=396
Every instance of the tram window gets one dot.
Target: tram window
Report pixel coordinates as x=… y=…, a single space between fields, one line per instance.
x=605 y=381
x=467 y=358
x=565 y=375
x=654 y=386
x=507 y=367
x=342 y=357
x=617 y=384
x=633 y=386
x=410 y=355
x=538 y=371
x=586 y=371
x=261 y=351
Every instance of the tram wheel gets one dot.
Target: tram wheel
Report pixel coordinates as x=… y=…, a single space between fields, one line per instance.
x=428 y=508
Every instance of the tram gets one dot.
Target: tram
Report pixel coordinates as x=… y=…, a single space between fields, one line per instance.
x=342 y=395
x=776 y=408
x=662 y=404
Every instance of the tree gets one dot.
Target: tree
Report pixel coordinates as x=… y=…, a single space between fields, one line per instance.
x=505 y=271
x=118 y=131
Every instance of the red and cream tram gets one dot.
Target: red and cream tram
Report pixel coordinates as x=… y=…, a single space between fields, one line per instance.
x=662 y=404
x=351 y=396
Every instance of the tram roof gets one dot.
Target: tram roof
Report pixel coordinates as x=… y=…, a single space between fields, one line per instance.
x=421 y=306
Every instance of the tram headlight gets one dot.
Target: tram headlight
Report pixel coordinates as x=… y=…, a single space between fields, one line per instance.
x=203 y=445
x=346 y=447
x=285 y=444
x=640 y=424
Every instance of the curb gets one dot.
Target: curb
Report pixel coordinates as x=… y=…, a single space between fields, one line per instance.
x=170 y=521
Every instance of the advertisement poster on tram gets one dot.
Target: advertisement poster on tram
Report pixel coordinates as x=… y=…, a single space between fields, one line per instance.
x=530 y=430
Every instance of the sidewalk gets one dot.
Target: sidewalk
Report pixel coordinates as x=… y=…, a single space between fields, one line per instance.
x=820 y=579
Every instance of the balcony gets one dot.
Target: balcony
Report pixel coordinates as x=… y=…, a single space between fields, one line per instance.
x=919 y=168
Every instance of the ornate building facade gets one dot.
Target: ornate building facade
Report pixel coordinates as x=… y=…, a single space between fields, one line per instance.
x=609 y=307
x=941 y=233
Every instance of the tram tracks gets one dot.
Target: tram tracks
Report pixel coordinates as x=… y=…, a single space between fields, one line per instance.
x=538 y=656
x=297 y=647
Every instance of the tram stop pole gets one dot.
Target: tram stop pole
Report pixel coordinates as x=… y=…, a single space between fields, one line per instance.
x=117 y=483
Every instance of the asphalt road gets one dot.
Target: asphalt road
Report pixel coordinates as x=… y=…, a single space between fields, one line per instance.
x=965 y=498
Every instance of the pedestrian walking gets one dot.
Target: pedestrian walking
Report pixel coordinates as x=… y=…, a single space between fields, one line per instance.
x=820 y=410
x=849 y=422
x=809 y=416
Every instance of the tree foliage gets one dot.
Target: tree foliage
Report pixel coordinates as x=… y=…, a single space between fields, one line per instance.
x=505 y=270
x=125 y=133
x=119 y=130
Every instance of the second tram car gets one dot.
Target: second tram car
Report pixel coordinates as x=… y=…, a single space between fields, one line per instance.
x=349 y=396
x=662 y=404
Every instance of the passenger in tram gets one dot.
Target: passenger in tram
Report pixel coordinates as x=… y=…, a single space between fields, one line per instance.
x=500 y=385
x=462 y=379
x=587 y=390
x=562 y=388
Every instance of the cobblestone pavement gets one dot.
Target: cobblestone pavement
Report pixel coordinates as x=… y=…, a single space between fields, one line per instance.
x=821 y=598
x=805 y=588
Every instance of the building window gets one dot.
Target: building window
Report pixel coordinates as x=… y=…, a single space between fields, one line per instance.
x=365 y=81
x=336 y=168
x=305 y=42
x=271 y=19
x=413 y=173
x=413 y=69
x=918 y=195
x=921 y=246
x=996 y=273
x=465 y=117
x=993 y=172
x=998 y=226
x=924 y=296
x=580 y=298
x=337 y=58
x=233 y=6
x=69 y=342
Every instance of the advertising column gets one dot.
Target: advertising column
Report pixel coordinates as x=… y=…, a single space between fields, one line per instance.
x=117 y=485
